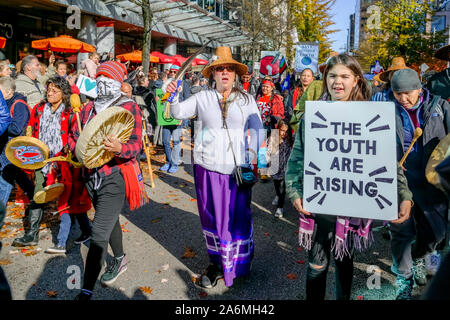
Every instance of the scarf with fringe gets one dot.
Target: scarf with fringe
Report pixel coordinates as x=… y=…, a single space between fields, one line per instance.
x=134 y=184
x=350 y=233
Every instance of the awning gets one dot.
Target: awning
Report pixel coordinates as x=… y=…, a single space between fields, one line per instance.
x=180 y=17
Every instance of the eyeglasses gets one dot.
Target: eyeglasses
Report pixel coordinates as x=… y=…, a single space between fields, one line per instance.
x=53 y=91
x=222 y=68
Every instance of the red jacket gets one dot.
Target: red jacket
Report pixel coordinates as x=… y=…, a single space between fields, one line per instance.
x=75 y=194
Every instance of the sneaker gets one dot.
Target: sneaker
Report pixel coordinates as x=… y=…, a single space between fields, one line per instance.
x=420 y=271
x=165 y=167
x=114 y=270
x=432 y=262
x=173 y=169
x=84 y=295
x=82 y=239
x=211 y=276
x=275 y=201
x=404 y=288
x=56 y=249
x=279 y=213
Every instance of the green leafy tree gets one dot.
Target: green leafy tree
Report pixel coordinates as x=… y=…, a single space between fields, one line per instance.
x=403 y=29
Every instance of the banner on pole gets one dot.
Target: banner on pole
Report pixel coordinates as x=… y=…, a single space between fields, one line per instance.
x=350 y=165
x=307 y=56
x=272 y=64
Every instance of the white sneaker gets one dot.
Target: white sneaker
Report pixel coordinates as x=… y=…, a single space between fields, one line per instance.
x=275 y=201
x=432 y=262
x=279 y=213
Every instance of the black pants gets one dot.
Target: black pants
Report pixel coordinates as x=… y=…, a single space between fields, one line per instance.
x=5 y=290
x=108 y=201
x=13 y=174
x=280 y=189
x=319 y=257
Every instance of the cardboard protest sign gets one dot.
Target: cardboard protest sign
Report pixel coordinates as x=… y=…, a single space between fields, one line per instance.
x=160 y=109
x=87 y=86
x=350 y=165
x=307 y=56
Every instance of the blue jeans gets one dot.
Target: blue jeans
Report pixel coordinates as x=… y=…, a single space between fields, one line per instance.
x=168 y=133
x=64 y=229
x=66 y=222
x=9 y=175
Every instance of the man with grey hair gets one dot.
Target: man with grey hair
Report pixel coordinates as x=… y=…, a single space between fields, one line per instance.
x=20 y=114
x=27 y=82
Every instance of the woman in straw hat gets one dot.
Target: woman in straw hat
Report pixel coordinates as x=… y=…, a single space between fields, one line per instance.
x=224 y=113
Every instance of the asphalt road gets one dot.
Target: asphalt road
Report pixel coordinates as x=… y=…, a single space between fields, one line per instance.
x=156 y=238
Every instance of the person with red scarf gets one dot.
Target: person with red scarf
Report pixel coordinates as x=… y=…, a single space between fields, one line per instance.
x=270 y=105
x=50 y=122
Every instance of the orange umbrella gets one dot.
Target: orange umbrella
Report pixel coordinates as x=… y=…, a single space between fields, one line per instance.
x=62 y=43
x=135 y=56
x=2 y=42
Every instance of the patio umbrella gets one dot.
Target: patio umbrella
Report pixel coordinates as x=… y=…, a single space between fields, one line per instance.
x=163 y=58
x=179 y=58
x=199 y=62
x=136 y=56
x=2 y=42
x=62 y=43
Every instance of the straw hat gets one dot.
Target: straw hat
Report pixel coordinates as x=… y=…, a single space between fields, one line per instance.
x=443 y=53
x=224 y=57
x=398 y=63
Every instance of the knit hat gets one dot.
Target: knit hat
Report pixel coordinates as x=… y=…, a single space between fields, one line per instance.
x=175 y=66
x=113 y=70
x=405 y=80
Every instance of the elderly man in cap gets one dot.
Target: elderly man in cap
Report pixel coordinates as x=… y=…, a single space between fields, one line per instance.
x=416 y=108
x=440 y=83
x=173 y=132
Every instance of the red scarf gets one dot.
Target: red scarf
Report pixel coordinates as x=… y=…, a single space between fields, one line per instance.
x=134 y=184
x=246 y=86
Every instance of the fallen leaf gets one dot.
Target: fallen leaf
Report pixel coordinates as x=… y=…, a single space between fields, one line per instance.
x=195 y=278
x=300 y=261
x=5 y=262
x=266 y=234
x=165 y=267
x=164 y=280
x=188 y=253
x=202 y=294
x=159 y=271
x=193 y=200
x=171 y=195
x=291 y=276
x=299 y=249
x=31 y=253
x=156 y=220
x=147 y=290
x=360 y=298
x=51 y=294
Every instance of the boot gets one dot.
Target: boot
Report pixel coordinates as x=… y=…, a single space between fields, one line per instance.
x=31 y=237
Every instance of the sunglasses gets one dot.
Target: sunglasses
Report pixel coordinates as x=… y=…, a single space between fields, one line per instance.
x=222 y=68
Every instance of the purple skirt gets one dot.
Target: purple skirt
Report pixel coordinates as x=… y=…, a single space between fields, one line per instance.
x=226 y=220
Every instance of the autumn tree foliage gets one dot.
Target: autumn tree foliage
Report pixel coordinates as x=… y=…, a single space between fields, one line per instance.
x=268 y=23
x=400 y=28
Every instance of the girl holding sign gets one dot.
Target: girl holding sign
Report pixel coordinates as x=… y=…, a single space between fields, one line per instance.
x=326 y=234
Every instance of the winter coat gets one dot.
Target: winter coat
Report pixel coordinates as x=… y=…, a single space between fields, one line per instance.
x=5 y=117
x=90 y=68
x=312 y=93
x=434 y=121
x=75 y=194
x=146 y=100
x=19 y=119
x=439 y=84
x=34 y=91
x=276 y=111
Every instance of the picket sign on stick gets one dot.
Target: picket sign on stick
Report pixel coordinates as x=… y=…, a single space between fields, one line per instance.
x=350 y=165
